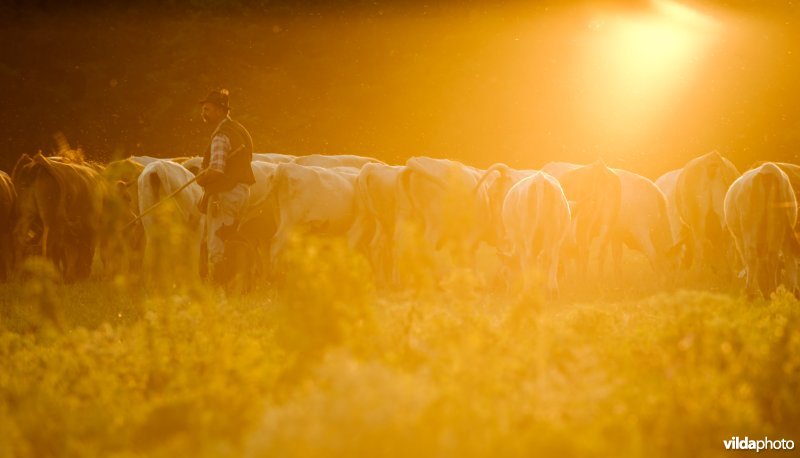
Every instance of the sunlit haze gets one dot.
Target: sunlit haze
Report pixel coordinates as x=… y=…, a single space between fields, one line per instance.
x=645 y=85
x=640 y=63
x=399 y=228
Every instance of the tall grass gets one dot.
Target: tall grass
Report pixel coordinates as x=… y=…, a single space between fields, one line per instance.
x=327 y=365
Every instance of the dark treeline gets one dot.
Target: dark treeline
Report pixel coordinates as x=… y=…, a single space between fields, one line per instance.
x=124 y=79
x=387 y=79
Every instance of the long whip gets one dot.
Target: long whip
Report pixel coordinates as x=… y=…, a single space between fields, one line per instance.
x=175 y=193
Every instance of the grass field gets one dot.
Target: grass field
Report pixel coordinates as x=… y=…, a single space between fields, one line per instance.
x=325 y=365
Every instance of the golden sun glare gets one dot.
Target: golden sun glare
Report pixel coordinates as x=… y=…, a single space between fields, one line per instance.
x=634 y=65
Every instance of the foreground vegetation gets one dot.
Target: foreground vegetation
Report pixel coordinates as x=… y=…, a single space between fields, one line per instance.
x=327 y=366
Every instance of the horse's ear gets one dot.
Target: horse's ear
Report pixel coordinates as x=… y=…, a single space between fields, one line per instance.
x=24 y=159
x=21 y=162
x=39 y=157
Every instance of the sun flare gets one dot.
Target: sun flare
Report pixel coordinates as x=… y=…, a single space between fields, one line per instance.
x=637 y=63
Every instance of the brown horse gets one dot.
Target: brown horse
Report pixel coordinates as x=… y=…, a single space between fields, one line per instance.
x=59 y=209
x=8 y=197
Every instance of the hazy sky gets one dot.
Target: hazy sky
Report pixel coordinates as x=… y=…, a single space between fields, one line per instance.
x=642 y=84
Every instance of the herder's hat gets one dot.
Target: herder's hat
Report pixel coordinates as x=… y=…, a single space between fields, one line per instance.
x=219 y=98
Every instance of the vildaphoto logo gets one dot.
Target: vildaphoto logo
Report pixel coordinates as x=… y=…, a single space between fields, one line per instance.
x=736 y=443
